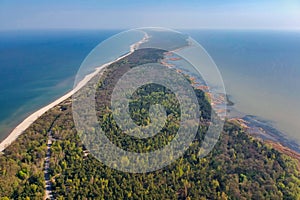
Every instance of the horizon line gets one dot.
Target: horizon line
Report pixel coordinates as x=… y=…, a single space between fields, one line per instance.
x=122 y=28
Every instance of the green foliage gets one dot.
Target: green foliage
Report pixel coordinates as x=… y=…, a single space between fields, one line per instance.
x=21 y=165
x=239 y=167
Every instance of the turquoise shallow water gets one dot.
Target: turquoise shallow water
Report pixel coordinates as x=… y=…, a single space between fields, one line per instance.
x=261 y=71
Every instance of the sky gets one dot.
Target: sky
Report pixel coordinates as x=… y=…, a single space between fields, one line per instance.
x=124 y=14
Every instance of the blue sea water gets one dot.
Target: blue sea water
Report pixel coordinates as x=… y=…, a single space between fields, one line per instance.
x=261 y=72
x=260 y=69
x=37 y=67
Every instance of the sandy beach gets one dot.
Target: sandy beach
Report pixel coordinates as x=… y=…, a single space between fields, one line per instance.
x=29 y=120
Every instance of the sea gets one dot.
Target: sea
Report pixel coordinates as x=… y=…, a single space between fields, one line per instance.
x=260 y=70
x=261 y=74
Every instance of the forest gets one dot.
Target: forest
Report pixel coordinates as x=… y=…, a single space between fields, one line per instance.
x=239 y=167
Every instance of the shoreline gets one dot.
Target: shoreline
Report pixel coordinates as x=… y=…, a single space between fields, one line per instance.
x=260 y=129
x=268 y=135
x=252 y=124
x=21 y=127
x=266 y=132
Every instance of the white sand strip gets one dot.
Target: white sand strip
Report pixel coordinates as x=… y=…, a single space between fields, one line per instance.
x=29 y=120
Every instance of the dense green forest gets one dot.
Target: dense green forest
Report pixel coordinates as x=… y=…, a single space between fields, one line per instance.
x=239 y=167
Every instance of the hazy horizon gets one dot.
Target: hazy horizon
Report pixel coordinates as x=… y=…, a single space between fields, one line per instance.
x=77 y=14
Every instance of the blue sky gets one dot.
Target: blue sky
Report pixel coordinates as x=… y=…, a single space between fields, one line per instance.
x=189 y=14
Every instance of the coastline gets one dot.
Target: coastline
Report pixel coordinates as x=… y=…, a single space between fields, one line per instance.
x=252 y=124
x=268 y=135
x=254 y=127
x=264 y=130
x=20 y=128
